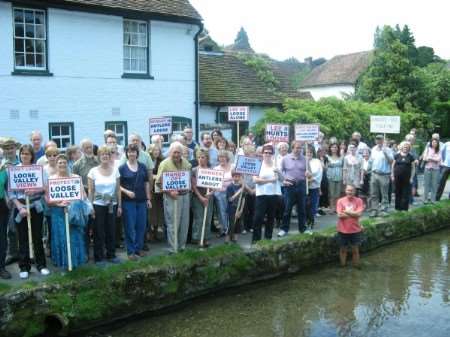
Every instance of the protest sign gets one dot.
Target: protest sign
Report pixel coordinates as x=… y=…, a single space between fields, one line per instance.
x=28 y=177
x=307 y=132
x=209 y=178
x=238 y=113
x=277 y=132
x=248 y=165
x=176 y=181
x=64 y=189
x=385 y=124
x=161 y=126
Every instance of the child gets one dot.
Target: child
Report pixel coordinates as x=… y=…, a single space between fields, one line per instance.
x=349 y=209
x=236 y=201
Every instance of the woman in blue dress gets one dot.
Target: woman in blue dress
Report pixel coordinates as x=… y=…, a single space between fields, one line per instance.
x=58 y=229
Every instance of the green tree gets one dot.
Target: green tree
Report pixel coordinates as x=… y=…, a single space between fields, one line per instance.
x=241 y=42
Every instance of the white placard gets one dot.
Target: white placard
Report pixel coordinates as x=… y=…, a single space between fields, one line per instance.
x=176 y=181
x=238 y=113
x=161 y=126
x=385 y=124
x=29 y=177
x=210 y=178
x=277 y=133
x=64 y=189
x=307 y=132
x=248 y=165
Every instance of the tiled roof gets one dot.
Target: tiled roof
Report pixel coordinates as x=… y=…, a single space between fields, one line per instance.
x=178 y=8
x=226 y=79
x=341 y=69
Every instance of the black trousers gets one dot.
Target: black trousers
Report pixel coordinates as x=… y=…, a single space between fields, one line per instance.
x=38 y=246
x=249 y=211
x=104 y=233
x=402 y=192
x=444 y=176
x=264 y=205
x=4 y=217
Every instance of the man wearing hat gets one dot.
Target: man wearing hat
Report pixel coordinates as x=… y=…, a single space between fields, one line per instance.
x=9 y=147
x=380 y=162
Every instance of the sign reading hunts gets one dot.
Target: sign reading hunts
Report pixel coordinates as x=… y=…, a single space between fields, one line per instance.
x=176 y=181
x=385 y=124
x=238 y=113
x=209 y=178
x=64 y=189
x=25 y=178
x=248 y=165
x=307 y=132
x=277 y=132
x=161 y=126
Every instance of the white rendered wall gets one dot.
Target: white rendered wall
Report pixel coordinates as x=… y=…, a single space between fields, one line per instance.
x=85 y=57
x=330 y=91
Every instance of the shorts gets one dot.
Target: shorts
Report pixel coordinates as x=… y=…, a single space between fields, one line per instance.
x=351 y=239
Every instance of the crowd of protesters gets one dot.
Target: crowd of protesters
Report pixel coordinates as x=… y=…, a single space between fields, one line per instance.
x=124 y=203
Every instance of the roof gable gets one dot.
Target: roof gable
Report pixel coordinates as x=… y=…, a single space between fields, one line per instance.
x=341 y=69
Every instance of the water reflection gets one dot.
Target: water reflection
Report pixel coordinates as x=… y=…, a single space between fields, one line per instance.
x=402 y=290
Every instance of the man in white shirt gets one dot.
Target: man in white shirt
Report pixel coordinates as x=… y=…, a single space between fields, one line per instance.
x=445 y=169
x=360 y=145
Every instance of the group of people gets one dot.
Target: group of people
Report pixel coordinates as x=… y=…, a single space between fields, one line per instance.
x=123 y=196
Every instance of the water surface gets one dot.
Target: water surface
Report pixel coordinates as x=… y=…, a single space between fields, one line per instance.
x=402 y=290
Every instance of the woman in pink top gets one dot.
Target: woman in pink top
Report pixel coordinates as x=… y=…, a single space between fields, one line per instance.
x=349 y=209
x=432 y=158
x=221 y=195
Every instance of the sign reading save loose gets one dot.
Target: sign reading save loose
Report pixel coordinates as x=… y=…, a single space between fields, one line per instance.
x=161 y=126
x=385 y=124
x=209 y=178
x=176 y=181
x=277 y=132
x=307 y=132
x=25 y=178
x=64 y=189
x=248 y=165
x=238 y=113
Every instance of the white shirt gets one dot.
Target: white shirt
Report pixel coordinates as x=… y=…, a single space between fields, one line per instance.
x=105 y=185
x=267 y=172
x=316 y=168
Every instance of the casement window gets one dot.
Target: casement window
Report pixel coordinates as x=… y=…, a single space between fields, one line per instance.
x=30 y=39
x=62 y=134
x=135 y=47
x=121 y=130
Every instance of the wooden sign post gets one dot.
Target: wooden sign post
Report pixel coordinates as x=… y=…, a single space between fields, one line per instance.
x=238 y=114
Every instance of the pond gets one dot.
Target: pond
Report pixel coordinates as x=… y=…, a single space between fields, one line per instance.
x=401 y=290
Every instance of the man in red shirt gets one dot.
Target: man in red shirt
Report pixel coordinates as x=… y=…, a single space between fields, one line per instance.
x=349 y=209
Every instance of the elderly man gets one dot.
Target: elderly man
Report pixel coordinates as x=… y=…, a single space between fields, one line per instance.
x=212 y=151
x=360 y=145
x=175 y=162
x=293 y=168
x=36 y=141
x=9 y=147
x=87 y=161
x=380 y=162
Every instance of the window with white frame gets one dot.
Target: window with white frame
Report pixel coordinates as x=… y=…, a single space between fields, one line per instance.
x=30 y=39
x=135 y=47
x=120 y=129
x=62 y=134
x=178 y=125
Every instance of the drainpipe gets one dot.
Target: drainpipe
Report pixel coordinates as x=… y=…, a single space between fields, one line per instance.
x=197 y=84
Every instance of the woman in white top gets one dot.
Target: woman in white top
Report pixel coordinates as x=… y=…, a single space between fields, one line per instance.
x=353 y=168
x=315 y=169
x=104 y=193
x=268 y=190
x=221 y=195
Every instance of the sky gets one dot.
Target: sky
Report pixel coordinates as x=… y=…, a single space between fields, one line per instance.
x=324 y=28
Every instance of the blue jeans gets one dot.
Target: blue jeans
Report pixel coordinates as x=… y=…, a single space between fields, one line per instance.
x=295 y=195
x=135 y=220
x=313 y=203
x=222 y=204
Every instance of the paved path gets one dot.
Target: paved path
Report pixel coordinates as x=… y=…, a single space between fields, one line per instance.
x=159 y=248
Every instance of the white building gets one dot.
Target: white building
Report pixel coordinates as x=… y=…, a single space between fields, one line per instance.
x=337 y=77
x=73 y=68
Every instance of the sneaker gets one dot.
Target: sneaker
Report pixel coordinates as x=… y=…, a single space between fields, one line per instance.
x=23 y=275
x=281 y=233
x=4 y=274
x=44 y=271
x=308 y=231
x=244 y=232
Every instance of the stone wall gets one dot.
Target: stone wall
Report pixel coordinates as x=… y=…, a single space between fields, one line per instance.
x=90 y=297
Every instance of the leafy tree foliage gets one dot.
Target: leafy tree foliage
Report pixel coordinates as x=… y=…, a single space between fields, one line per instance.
x=241 y=42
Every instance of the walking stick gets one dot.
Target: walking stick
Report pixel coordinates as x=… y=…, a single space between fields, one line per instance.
x=175 y=223
x=30 y=235
x=69 y=250
x=205 y=213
